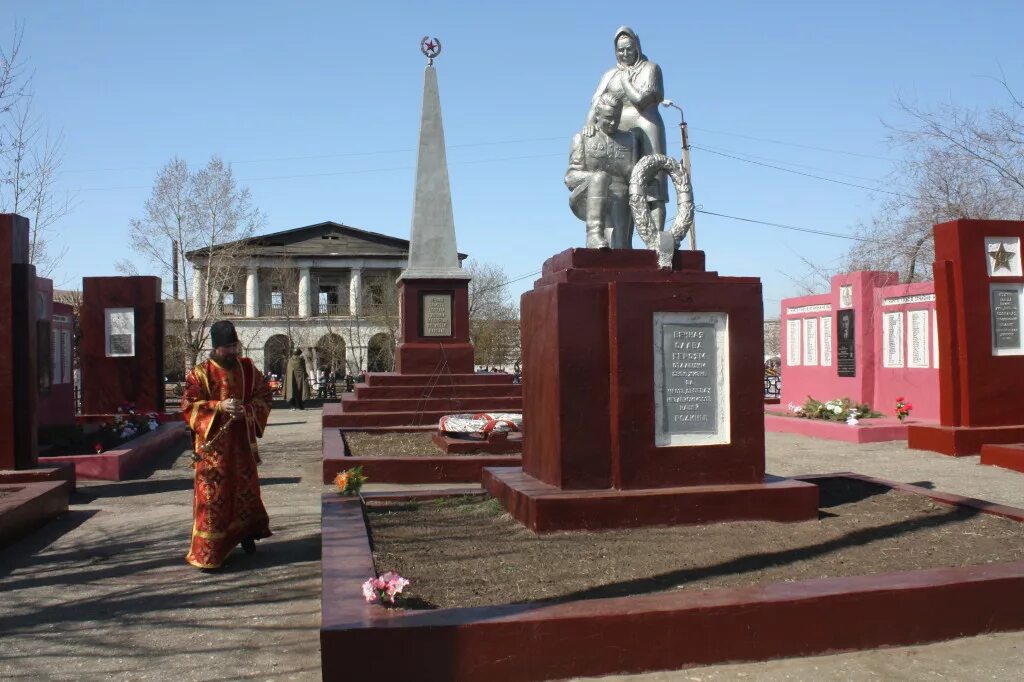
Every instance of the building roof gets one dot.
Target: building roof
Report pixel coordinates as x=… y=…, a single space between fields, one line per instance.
x=322 y=240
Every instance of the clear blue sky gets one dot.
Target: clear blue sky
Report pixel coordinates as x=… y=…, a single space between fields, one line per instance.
x=316 y=105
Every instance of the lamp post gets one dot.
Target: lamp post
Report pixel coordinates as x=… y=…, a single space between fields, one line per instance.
x=686 y=161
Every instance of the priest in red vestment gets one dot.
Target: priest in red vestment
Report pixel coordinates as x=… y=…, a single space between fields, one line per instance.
x=226 y=404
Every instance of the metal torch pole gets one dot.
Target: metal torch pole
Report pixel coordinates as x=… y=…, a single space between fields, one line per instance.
x=685 y=141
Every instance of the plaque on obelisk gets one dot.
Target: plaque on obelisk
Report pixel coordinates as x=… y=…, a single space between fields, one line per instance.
x=434 y=289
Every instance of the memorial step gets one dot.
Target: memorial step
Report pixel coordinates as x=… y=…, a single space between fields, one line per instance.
x=351 y=404
x=364 y=392
x=394 y=379
x=360 y=420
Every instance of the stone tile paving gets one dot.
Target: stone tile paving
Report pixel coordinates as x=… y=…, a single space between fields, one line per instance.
x=104 y=592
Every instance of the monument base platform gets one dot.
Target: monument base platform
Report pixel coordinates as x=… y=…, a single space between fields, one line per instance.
x=494 y=443
x=1006 y=456
x=961 y=440
x=391 y=401
x=544 y=508
x=27 y=506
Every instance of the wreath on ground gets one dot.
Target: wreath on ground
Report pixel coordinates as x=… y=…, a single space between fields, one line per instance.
x=481 y=422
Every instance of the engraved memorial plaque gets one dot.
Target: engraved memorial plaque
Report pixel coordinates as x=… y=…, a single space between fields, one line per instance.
x=917 y=341
x=691 y=379
x=120 y=331
x=793 y=342
x=892 y=340
x=846 y=357
x=810 y=341
x=826 y=341
x=1006 y=319
x=437 y=315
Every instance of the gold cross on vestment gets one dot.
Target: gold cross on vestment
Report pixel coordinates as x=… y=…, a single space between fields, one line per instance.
x=1002 y=258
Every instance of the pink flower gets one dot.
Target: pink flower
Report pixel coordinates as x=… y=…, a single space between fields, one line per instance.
x=370 y=591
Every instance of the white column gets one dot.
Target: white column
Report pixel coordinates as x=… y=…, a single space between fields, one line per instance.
x=355 y=291
x=304 y=292
x=252 y=292
x=198 y=291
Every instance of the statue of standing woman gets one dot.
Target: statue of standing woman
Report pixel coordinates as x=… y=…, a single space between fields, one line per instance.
x=637 y=82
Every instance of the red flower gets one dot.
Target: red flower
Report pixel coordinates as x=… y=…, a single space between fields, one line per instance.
x=97 y=447
x=908 y=407
x=899 y=400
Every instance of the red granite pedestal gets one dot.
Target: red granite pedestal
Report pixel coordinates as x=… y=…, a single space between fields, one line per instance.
x=602 y=447
x=115 y=374
x=981 y=341
x=19 y=312
x=433 y=368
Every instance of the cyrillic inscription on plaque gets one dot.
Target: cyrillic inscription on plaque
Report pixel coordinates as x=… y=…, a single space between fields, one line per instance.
x=437 y=315
x=1006 y=322
x=119 y=326
x=917 y=338
x=691 y=389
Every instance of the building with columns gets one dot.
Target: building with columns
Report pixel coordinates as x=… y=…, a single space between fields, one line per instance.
x=328 y=289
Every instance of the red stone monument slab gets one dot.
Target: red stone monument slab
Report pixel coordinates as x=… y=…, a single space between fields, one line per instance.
x=979 y=290
x=642 y=396
x=434 y=332
x=122 y=344
x=19 y=383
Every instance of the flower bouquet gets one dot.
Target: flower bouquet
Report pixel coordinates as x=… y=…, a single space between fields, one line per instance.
x=837 y=409
x=903 y=409
x=385 y=588
x=350 y=481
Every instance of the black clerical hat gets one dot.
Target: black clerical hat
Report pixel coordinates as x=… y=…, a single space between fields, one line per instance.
x=222 y=333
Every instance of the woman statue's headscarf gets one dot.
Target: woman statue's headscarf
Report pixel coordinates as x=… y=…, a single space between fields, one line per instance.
x=640 y=56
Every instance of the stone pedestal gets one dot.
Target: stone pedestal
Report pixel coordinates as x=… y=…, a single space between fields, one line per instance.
x=642 y=398
x=434 y=333
x=979 y=290
x=122 y=344
x=19 y=383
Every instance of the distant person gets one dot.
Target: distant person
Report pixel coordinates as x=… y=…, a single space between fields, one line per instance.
x=226 y=405
x=296 y=387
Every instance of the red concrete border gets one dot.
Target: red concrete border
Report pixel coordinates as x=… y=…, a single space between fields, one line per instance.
x=31 y=505
x=117 y=465
x=544 y=508
x=656 y=631
x=867 y=431
x=441 y=469
x=958 y=441
x=1007 y=456
x=60 y=472
x=495 y=443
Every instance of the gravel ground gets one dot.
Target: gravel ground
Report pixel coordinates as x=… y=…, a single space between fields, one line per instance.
x=104 y=593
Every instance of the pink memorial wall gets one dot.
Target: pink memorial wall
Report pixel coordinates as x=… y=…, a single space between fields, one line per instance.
x=869 y=339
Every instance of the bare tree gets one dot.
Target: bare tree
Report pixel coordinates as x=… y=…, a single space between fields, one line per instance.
x=493 y=317
x=30 y=160
x=958 y=163
x=196 y=219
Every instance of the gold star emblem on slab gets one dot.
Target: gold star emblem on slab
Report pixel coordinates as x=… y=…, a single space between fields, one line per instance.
x=1002 y=258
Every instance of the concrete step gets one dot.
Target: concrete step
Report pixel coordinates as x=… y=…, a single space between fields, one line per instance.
x=364 y=392
x=351 y=404
x=360 y=420
x=393 y=379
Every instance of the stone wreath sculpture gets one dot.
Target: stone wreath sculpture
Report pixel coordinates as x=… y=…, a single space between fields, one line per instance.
x=665 y=243
x=481 y=422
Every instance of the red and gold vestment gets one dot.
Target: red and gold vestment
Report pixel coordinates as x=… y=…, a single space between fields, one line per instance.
x=226 y=505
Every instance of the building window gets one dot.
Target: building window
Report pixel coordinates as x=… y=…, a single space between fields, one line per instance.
x=327 y=299
x=227 y=297
x=276 y=298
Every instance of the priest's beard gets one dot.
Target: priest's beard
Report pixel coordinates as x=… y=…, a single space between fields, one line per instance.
x=229 y=362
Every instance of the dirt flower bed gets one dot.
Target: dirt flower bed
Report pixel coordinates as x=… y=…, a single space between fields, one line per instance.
x=415 y=444
x=467 y=552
